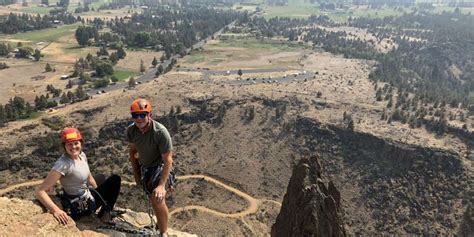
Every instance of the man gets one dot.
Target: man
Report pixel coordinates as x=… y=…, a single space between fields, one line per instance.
x=151 y=158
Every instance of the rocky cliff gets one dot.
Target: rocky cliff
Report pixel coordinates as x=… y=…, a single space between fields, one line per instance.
x=27 y=218
x=311 y=206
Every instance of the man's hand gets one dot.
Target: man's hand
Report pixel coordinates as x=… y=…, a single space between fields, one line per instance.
x=61 y=216
x=159 y=193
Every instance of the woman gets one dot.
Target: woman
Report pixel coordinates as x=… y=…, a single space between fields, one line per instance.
x=72 y=170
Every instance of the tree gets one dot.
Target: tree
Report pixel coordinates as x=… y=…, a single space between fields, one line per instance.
x=104 y=68
x=162 y=58
x=4 y=49
x=28 y=110
x=240 y=73
x=48 y=68
x=154 y=62
x=37 y=55
x=3 y=66
x=24 y=52
x=82 y=36
x=84 y=33
x=64 y=99
x=131 y=82
x=45 y=2
x=40 y=102
x=114 y=79
x=121 y=53
x=160 y=69
x=84 y=77
x=101 y=82
x=141 y=39
x=2 y=116
x=63 y=3
x=142 y=67
x=103 y=51
x=113 y=58
x=80 y=93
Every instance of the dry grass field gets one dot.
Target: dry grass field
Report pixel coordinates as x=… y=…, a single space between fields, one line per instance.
x=30 y=82
x=133 y=59
x=247 y=53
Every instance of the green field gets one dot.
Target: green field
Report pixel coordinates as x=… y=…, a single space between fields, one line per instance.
x=195 y=57
x=343 y=16
x=302 y=9
x=34 y=115
x=123 y=75
x=295 y=9
x=51 y=34
x=34 y=9
x=72 y=7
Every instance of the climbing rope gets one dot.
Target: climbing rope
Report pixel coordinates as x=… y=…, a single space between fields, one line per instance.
x=149 y=230
x=138 y=231
x=147 y=200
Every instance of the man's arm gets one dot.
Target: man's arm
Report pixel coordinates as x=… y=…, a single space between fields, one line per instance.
x=167 y=164
x=135 y=165
x=160 y=191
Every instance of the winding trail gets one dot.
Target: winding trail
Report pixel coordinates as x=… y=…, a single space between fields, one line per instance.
x=15 y=186
x=252 y=208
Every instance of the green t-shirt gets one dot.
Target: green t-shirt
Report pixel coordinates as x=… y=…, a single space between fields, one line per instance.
x=150 y=145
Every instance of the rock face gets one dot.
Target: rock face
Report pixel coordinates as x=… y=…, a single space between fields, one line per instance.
x=26 y=218
x=310 y=206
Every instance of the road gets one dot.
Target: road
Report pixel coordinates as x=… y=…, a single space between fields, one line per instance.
x=300 y=76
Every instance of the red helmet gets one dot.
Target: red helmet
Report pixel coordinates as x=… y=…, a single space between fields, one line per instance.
x=140 y=106
x=70 y=135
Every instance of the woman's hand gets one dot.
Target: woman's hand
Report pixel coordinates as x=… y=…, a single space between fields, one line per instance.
x=61 y=216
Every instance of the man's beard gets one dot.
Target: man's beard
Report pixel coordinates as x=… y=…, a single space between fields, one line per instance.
x=142 y=125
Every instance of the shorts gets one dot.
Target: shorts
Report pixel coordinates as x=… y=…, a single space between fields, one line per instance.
x=151 y=178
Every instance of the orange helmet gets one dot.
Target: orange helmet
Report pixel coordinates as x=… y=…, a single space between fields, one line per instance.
x=70 y=135
x=140 y=106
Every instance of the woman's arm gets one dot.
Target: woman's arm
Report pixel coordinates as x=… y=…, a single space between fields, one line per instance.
x=42 y=195
x=91 y=181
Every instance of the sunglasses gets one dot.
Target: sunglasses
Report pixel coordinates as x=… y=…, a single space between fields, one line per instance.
x=139 y=115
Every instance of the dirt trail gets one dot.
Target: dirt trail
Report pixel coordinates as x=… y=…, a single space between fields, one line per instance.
x=251 y=209
x=15 y=186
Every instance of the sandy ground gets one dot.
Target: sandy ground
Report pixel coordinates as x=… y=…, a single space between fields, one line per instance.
x=225 y=58
x=30 y=82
